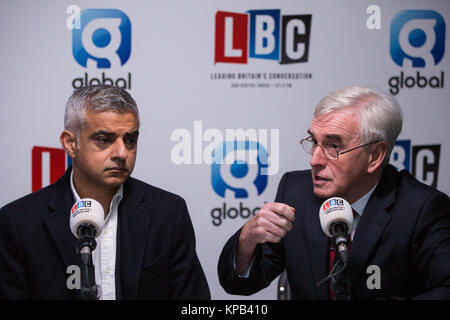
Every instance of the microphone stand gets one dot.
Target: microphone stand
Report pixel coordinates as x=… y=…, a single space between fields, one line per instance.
x=339 y=274
x=340 y=283
x=85 y=245
x=340 y=280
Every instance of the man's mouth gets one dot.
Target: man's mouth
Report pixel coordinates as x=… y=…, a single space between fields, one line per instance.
x=117 y=169
x=319 y=178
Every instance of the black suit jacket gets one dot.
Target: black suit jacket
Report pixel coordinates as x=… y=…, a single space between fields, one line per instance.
x=404 y=230
x=156 y=257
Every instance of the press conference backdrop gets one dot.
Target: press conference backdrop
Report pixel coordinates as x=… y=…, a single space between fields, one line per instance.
x=206 y=73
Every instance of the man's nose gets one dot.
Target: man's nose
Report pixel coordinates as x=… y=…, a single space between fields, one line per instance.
x=318 y=157
x=120 y=150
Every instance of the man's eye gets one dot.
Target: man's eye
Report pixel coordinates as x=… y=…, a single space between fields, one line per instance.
x=102 y=140
x=130 y=142
x=334 y=146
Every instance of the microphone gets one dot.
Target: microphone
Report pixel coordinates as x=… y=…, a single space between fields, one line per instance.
x=336 y=219
x=86 y=223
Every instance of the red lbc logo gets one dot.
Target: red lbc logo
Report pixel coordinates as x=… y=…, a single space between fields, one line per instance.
x=81 y=204
x=55 y=166
x=261 y=34
x=231 y=37
x=326 y=205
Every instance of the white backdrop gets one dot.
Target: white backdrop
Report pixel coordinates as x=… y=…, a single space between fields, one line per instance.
x=178 y=85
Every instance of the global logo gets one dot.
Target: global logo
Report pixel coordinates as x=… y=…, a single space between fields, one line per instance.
x=417 y=41
x=261 y=34
x=417 y=38
x=103 y=39
x=239 y=169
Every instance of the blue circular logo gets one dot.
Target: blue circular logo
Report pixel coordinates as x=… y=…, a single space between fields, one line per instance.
x=417 y=38
x=239 y=169
x=101 y=37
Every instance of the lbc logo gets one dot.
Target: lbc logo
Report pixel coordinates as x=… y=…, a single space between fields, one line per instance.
x=425 y=160
x=47 y=165
x=257 y=34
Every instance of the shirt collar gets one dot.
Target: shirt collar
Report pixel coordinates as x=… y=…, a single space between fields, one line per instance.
x=360 y=204
x=117 y=196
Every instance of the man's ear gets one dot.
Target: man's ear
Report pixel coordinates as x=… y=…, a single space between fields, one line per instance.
x=377 y=153
x=69 y=142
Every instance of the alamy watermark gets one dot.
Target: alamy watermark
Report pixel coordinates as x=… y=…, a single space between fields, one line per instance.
x=251 y=146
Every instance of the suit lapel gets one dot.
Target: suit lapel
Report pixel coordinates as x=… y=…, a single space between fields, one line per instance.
x=317 y=247
x=58 y=221
x=372 y=224
x=134 y=219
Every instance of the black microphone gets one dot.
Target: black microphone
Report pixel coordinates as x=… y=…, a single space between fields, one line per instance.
x=336 y=220
x=86 y=223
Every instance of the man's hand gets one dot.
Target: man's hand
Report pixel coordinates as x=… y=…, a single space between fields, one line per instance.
x=270 y=224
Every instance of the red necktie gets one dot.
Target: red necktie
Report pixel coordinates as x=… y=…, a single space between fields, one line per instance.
x=332 y=257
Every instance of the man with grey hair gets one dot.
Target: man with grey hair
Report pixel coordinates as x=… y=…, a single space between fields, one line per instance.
x=401 y=227
x=146 y=249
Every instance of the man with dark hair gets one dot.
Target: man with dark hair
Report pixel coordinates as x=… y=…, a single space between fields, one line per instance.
x=146 y=249
x=401 y=226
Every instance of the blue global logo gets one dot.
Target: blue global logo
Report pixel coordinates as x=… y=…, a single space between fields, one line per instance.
x=103 y=39
x=239 y=169
x=417 y=38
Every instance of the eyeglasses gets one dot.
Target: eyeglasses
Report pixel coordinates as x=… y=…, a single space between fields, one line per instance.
x=330 y=150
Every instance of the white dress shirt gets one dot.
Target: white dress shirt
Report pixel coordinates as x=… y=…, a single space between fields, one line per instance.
x=104 y=255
